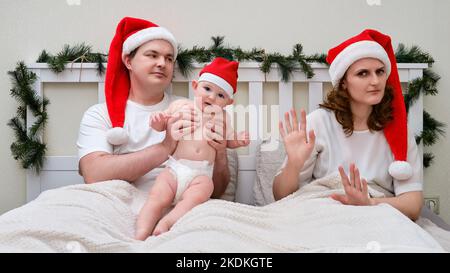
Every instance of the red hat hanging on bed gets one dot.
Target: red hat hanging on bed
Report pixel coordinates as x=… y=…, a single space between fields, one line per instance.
x=373 y=44
x=130 y=34
x=223 y=73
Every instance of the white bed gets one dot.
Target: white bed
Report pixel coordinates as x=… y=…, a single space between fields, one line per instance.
x=70 y=216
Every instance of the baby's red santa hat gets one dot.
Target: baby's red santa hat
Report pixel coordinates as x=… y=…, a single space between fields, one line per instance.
x=223 y=73
x=131 y=33
x=373 y=44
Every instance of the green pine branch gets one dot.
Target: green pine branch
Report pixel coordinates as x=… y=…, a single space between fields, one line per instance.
x=30 y=153
x=430 y=82
x=219 y=50
x=317 y=58
x=255 y=54
x=80 y=53
x=19 y=128
x=427 y=85
x=286 y=64
x=432 y=129
x=185 y=61
x=414 y=91
x=44 y=57
x=428 y=159
x=22 y=80
x=27 y=148
x=413 y=54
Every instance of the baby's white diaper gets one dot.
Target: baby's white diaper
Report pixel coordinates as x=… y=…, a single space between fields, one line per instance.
x=186 y=170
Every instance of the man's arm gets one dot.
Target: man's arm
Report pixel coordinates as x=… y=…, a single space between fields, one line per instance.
x=101 y=166
x=221 y=173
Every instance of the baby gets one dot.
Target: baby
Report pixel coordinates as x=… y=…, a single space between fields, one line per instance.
x=187 y=179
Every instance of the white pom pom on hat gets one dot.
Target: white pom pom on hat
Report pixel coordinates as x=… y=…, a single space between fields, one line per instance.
x=400 y=170
x=117 y=136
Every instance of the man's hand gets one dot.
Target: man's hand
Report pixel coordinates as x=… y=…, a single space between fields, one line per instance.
x=179 y=124
x=221 y=173
x=214 y=133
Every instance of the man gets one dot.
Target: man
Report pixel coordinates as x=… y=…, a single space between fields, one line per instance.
x=115 y=140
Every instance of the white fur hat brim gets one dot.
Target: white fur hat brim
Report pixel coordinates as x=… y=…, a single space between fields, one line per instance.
x=355 y=52
x=209 y=77
x=148 y=34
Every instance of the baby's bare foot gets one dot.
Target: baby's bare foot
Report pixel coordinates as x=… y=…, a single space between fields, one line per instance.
x=161 y=227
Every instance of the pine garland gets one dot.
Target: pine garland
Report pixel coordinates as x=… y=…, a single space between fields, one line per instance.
x=286 y=64
x=412 y=55
x=426 y=85
x=428 y=159
x=30 y=150
x=27 y=148
x=79 y=53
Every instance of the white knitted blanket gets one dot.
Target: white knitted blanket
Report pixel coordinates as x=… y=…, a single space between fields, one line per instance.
x=101 y=218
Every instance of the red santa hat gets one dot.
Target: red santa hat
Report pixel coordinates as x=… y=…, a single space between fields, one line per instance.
x=130 y=34
x=223 y=73
x=373 y=44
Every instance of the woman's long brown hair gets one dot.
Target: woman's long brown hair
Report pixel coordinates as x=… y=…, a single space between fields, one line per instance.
x=338 y=101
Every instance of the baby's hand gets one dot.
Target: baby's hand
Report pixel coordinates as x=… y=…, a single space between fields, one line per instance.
x=243 y=138
x=158 y=121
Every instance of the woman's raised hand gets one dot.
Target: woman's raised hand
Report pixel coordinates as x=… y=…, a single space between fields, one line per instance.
x=297 y=145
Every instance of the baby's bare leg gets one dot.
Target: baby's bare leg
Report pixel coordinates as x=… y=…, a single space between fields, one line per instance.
x=198 y=191
x=160 y=197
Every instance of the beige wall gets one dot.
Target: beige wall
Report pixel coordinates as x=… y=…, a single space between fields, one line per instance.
x=29 y=26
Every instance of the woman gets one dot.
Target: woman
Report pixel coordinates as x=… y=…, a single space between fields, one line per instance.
x=361 y=127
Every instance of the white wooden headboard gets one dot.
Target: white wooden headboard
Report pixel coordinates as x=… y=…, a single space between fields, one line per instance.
x=63 y=170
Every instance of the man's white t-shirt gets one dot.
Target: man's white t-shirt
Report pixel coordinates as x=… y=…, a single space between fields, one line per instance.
x=368 y=150
x=96 y=122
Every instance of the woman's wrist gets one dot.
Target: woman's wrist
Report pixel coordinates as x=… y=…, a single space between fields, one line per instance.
x=294 y=166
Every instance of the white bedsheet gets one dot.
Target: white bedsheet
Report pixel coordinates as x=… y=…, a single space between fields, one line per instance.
x=101 y=218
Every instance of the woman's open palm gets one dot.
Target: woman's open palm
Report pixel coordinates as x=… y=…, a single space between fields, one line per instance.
x=356 y=189
x=298 y=146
